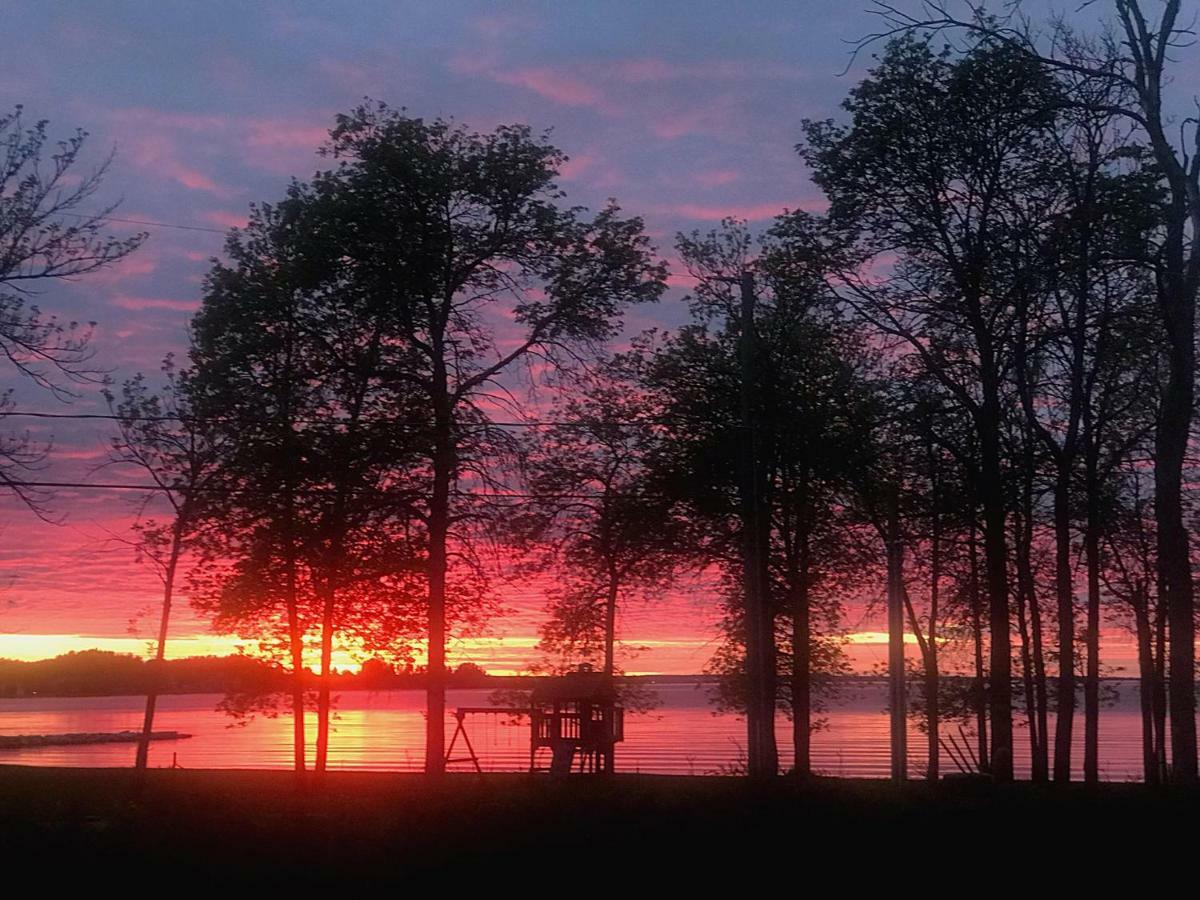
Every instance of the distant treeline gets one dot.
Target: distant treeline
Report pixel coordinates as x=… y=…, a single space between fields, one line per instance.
x=102 y=673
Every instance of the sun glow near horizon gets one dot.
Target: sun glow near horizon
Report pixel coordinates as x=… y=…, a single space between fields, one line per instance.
x=514 y=655
x=509 y=655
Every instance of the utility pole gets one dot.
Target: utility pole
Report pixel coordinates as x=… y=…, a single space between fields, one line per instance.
x=763 y=760
x=895 y=610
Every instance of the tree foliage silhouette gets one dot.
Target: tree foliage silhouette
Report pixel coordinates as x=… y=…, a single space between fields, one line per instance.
x=47 y=236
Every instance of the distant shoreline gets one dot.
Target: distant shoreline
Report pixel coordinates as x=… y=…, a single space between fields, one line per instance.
x=350 y=683
x=415 y=683
x=101 y=673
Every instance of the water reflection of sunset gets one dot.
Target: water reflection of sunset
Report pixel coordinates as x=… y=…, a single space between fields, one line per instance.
x=384 y=730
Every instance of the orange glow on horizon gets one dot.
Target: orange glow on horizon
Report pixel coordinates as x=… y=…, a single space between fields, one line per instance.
x=498 y=656
x=512 y=655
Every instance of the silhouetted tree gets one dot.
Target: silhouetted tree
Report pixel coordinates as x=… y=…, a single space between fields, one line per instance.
x=806 y=392
x=934 y=500
x=160 y=435
x=1070 y=342
x=598 y=525
x=461 y=231
x=898 y=492
x=254 y=376
x=47 y=235
x=299 y=360
x=1134 y=61
x=938 y=166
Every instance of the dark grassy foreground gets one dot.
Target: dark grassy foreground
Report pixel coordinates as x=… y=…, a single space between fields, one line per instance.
x=615 y=835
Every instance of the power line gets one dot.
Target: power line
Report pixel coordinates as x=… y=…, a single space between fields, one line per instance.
x=414 y=423
x=145 y=222
x=158 y=488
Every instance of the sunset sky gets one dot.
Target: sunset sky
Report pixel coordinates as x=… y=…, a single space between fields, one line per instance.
x=686 y=112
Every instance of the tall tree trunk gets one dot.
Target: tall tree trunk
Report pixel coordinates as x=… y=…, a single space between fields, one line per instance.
x=1178 y=280
x=296 y=646
x=1079 y=414
x=770 y=661
x=898 y=700
x=1174 y=555
x=1027 y=609
x=762 y=758
x=1065 y=704
x=439 y=528
x=1091 y=686
x=996 y=567
x=160 y=652
x=933 y=700
x=292 y=598
x=1160 y=688
x=325 y=686
x=334 y=565
x=801 y=686
x=929 y=646
x=796 y=550
x=610 y=626
x=610 y=654
x=1022 y=595
x=932 y=674
x=1146 y=686
x=292 y=602
x=930 y=677
x=979 y=690
x=1041 y=691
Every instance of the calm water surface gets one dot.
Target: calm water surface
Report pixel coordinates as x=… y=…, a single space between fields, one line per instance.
x=384 y=730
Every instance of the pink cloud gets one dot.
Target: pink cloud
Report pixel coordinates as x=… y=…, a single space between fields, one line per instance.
x=124 y=301
x=682 y=280
x=284 y=146
x=637 y=89
x=197 y=181
x=576 y=166
x=677 y=276
x=79 y=454
x=158 y=154
x=712 y=118
x=136 y=265
x=557 y=87
x=160 y=142
x=224 y=219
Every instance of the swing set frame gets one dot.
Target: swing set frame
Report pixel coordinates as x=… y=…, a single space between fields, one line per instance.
x=460 y=715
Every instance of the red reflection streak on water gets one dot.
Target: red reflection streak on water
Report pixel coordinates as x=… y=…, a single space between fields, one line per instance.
x=385 y=731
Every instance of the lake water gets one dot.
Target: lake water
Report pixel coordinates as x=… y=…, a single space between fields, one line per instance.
x=384 y=730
